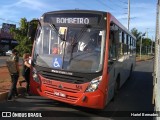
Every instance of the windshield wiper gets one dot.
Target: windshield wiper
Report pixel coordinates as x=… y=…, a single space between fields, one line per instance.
x=79 y=36
x=56 y=30
x=81 y=33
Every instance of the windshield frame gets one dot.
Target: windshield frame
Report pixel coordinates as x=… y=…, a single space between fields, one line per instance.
x=102 y=54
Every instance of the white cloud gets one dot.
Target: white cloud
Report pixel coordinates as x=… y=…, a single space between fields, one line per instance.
x=29 y=4
x=143 y=16
x=16 y=10
x=8 y=14
x=32 y=4
x=142 y=12
x=139 y=24
x=142 y=5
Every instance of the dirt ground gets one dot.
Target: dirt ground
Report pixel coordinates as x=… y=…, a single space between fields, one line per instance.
x=5 y=79
x=143 y=57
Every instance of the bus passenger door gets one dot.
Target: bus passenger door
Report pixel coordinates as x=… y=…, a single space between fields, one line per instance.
x=112 y=60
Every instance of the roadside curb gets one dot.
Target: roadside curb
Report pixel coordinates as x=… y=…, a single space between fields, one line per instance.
x=3 y=95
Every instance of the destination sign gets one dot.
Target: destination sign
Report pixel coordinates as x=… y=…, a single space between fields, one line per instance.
x=73 y=20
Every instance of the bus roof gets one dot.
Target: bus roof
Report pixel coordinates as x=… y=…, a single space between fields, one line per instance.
x=76 y=11
x=112 y=18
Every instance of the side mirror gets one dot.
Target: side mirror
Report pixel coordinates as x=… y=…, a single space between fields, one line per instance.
x=32 y=27
x=32 y=63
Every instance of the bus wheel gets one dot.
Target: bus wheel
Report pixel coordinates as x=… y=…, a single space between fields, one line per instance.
x=116 y=88
x=130 y=73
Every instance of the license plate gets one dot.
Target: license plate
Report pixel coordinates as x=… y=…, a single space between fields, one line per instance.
x=59 y=94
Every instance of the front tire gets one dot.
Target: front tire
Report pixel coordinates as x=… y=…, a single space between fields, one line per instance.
x=130 y=73
x=116 y=87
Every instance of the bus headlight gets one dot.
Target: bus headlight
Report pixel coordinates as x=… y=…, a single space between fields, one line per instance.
x=94 y=84
x=35 y=76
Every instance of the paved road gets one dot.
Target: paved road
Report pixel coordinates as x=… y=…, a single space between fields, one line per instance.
x=3 y=60
x=135 y=95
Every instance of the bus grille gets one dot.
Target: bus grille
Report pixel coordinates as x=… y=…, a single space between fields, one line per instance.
x=67 y=89
x=67 y=98
x=63 y=78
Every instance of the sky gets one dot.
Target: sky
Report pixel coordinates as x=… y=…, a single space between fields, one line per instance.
x=142 y=12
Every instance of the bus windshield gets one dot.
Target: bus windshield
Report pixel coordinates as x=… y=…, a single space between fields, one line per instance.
x=75 y=49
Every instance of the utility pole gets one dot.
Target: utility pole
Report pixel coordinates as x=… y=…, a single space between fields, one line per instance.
x=156 y=75
x=152 y=45
x=141 y=46
x=147 y=32
x=128 y=13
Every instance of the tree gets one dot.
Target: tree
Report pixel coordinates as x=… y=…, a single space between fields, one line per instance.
x=20 y=34
x=136 y=33
x=146 y=42
x=32 y=29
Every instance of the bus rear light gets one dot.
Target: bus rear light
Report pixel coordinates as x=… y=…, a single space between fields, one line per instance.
x=94 y=84
x=35 y=76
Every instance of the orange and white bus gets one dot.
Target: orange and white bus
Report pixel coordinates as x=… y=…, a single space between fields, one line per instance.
x=81 y=57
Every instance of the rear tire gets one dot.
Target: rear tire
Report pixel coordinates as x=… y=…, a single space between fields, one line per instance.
x=130 y=73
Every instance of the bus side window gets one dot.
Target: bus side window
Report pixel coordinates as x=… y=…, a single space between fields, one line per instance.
x=129 y=48
x=134 y=46
x=123 y=41
x=131 y=45
x=120 y=46
x=125 y=44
